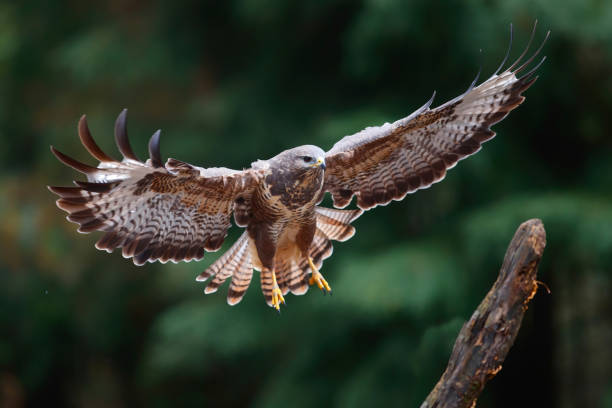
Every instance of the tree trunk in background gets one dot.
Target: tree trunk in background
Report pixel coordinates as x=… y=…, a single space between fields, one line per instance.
x=583 y=325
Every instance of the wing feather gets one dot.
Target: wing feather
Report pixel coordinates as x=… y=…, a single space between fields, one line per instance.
x=151 y=211
x=380 y=164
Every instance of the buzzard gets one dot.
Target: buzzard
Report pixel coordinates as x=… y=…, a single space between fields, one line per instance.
x=175 y=211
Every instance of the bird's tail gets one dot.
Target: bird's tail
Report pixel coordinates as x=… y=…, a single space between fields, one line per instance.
x=336 y=224
x=291 y=267
x=236 y=263
x=293 y=272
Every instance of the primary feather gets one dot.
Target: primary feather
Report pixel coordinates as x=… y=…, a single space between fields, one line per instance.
x=380 y=164
x=168 y=212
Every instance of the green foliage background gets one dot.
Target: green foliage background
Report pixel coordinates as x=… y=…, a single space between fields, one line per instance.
x=230 y=82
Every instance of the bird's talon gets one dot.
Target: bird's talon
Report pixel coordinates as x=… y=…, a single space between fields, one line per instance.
x=277 y=298
x=320 y=281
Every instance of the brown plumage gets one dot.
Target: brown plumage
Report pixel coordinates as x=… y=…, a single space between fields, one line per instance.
x=176 y=211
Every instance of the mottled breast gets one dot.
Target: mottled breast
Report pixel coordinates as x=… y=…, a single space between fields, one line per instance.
x=296 y=189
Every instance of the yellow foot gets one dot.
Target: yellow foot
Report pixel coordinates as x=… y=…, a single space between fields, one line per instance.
x=277 y=295
x=317 y=278
x=277 y=298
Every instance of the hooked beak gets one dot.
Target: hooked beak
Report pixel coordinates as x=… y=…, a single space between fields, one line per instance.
x=320 y=163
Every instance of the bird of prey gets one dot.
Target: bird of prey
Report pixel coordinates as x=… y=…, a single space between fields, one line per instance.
x=176 y=211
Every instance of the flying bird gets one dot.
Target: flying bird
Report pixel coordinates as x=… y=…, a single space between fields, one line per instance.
x=175 y=211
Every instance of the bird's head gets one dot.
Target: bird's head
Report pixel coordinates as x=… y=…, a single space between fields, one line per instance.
x=305 y=158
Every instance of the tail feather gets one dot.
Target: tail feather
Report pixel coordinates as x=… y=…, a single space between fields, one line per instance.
x=267 y=285
x=235 y=263
x=241 y=278
x=293 y=273
x=292 y=269
x=321 y=248
x=336 y=223
x=282 y=268
x=294 y=276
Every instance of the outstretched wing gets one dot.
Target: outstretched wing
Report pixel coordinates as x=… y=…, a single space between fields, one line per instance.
x=380 y=164
x=154 y=212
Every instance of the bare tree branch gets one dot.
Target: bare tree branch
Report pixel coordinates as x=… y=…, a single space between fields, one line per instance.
x=484 y=341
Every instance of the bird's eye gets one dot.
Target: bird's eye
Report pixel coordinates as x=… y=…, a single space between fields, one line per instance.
x=307 y=159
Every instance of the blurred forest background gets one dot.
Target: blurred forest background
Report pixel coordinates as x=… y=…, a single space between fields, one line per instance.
x=229 y=82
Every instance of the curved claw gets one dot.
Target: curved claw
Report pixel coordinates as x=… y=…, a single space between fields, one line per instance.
x=318 y=279
x=277 y=298
x=277 y=294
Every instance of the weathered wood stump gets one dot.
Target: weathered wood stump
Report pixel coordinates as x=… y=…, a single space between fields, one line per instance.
x=484 y=341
